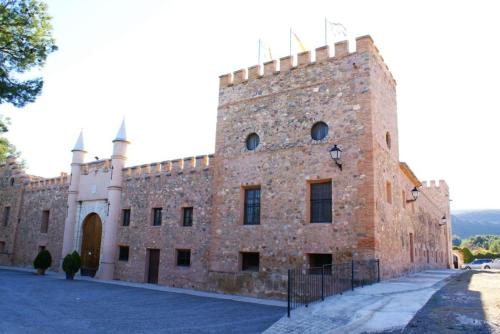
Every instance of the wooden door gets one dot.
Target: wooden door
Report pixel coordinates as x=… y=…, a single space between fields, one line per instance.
x=91 y=244
x=153 y=265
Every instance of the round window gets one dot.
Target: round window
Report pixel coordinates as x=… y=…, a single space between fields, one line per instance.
x=388 y=140
x=319 y=131
x=252 y=141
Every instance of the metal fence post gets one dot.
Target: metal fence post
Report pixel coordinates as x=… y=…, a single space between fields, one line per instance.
x=323 y=283
x=352 y=275
x=289 y=294
x=378 y=270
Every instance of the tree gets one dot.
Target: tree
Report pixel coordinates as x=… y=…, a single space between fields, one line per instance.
x=456 y=241
x=25 y=42
x=468 y=257
x=6 y=147
x=495 y=246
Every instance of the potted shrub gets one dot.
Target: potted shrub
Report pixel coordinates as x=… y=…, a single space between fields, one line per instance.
x=71 y=265
x=42 y=261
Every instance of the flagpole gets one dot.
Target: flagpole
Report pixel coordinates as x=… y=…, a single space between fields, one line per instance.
x=326 y=32
x=258 y=57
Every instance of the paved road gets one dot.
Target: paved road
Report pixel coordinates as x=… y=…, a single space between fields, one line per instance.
x=34 y=304
x=469 y=303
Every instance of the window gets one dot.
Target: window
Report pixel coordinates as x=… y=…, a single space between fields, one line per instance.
x=123 y=254
x=2 y=246
x=6 y=215
x=252 y=141
x=412 y=255
x=252 y=207
x=319 y=131
x=44 y=227
x=187 y=216
x=183 y=257
x=388 y=140
x=321 y=202
x=388 y=192
x=41 y=248
x=319 y=260
x=250 y=261
x=156 y=216
x=126 y=217
x=12 y=181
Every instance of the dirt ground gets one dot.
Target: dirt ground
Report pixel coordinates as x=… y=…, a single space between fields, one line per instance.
x=469 y=303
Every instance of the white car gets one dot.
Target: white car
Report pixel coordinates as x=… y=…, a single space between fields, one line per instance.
x=495 y=264
x=478 y=264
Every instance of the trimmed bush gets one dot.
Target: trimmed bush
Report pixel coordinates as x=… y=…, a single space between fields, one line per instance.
x=71 y=263
x=42 y=261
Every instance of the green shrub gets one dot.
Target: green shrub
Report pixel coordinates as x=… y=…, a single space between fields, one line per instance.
x=43 y=260
x=71 y=263
x=468 y=257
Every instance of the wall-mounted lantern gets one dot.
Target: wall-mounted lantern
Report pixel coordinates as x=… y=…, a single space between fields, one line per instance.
x=443 y=221
x=414 y=194
x=335 y=153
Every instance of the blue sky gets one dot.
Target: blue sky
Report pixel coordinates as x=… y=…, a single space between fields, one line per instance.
x=157 y=63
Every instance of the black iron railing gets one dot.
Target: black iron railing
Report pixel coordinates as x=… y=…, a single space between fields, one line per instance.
x=317 y=283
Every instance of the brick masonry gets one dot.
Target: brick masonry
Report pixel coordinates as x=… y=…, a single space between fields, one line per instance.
x=353 y=93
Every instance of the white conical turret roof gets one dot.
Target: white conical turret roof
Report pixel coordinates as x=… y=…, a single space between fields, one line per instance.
x=79 y=143
x=122 y=133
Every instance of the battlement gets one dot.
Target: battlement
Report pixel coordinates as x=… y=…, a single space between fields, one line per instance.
x=436 y=186
x=303 y=59
x=46 y=183
x=171 y=167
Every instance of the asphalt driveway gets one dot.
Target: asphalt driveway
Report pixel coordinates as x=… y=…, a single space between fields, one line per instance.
x=49 y=304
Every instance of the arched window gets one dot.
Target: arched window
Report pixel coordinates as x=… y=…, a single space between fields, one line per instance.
x=388 y=140
x=319 y=130
x=12 y=181
x=252 y=141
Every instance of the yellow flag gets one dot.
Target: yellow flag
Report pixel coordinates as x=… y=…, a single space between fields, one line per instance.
x=301 y=45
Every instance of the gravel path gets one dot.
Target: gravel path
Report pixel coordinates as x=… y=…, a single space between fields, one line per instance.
x=469 y=303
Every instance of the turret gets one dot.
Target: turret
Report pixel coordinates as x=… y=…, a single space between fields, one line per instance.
x=107 y=265
x=69 y=225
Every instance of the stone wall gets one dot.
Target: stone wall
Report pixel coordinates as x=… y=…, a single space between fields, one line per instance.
x=172 y=189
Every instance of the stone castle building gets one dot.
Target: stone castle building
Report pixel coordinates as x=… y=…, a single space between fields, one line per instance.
x=269 y=199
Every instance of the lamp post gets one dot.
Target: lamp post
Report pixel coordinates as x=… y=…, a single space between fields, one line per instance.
x=335 y=154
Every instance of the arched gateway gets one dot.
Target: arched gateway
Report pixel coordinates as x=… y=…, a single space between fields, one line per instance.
x=91 y=244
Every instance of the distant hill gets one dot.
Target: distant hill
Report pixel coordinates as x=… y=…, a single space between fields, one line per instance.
x=469 y=223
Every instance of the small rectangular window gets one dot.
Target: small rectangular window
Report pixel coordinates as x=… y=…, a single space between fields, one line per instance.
x=44 y=227
x=388 y=190
x=123 y=255
x=321 y=202
x=183 y=257
x=2 y=246
x=252 y=207
x=6 y=215
x=319 y=260
x=126 y=217
x=187 y=216
x=250 y=261
x=156 y=216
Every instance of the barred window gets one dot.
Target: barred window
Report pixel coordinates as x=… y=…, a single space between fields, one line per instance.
x=156 y=216
x=187 y=216
x=321 y=202
x=253 y=141
x=250 y=261
x=252 y=206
